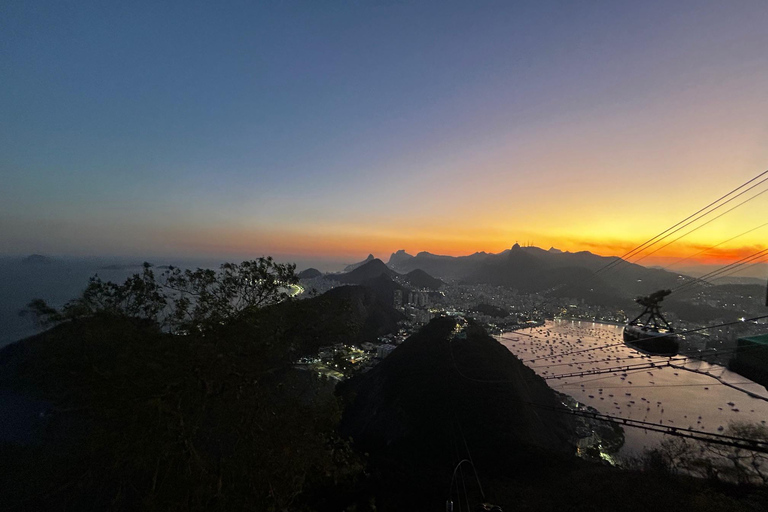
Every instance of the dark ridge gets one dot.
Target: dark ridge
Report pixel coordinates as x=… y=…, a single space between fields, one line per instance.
x=384 y=288
x=117 y=415
x=353 y=266
x=491 y=310
x=420 y=279
x=532 y=269
x=309 y=273
x=369 y=315
x=445 y=266
x=101 y=404
x=406 y=404
x=398 y=258
x=370 y=270
x=412 y=412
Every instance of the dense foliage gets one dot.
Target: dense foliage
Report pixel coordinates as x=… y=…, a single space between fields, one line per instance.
x=140 y=417
x=712 y=461
x=177 y=392
x=181 y=300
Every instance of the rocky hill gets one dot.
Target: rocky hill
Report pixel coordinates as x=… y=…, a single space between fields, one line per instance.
x=420 y=279
x=309 y=273
x=111 y=413
x=398 y=260
x=384 y=288
x=368 y=315
x=353 y=266
x=440 y=398
x=410 y=403
x=372 y=269
x=455 y=267
x=115 y=414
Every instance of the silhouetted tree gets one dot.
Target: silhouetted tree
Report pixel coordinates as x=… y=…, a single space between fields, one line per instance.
x=182 y=301
x=713 y=461
x=204 y=298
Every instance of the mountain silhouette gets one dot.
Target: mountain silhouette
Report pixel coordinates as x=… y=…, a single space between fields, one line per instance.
x=399 y=258
x=420 y=279
x=535 y=270
x=353 y=266
x=368 y=270
x=309 y=273
x=407 y=407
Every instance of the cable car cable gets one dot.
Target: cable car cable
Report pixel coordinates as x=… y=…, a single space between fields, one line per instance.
x=722 y=270
x=644 y=244
x=714 y=246
x=699 y=227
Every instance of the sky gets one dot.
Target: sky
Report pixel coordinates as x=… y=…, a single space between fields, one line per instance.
x=324 y=131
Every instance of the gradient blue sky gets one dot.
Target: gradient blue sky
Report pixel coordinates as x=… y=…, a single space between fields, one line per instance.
x=332 y=129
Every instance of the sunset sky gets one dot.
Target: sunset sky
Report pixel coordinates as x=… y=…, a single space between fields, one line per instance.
x=327 y=130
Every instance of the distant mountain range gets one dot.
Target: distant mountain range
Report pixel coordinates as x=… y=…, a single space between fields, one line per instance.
x=399 y=259
x=375 y=268
x=420 y=279
x=531 y=269
x=437 y=265
x=379 y=277
x=551 y=273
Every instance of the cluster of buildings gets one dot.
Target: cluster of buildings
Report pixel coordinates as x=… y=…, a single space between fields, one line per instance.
x=415 y=304
x=342 y=361
x=507 y=309
x=337 y=361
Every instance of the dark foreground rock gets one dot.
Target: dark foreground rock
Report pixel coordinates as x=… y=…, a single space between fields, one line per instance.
x=444 y=396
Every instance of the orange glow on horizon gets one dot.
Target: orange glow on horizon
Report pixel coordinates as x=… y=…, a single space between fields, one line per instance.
x=355 y=245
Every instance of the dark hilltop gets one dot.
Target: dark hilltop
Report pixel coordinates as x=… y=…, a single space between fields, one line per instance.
x=309 y=273
x=420 y=279
x=353 y=266
x=369 y=269
x=111 y=410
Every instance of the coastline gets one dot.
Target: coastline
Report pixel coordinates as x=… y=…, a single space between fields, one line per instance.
x=574 y=319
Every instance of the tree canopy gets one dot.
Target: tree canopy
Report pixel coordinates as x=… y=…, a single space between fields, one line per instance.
x=181 y=300
x=216 y=419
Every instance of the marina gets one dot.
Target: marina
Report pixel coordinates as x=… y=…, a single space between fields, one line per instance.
x=577 y=358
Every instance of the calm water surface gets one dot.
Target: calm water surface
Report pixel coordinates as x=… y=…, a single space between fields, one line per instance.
x=667 y=396
x=57 y=282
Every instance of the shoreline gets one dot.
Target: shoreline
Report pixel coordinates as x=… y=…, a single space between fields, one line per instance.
x=573 y=319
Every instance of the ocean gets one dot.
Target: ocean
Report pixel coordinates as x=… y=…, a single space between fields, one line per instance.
x=56 y=281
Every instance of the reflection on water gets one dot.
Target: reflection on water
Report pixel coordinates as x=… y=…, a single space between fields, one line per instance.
x=668 y=396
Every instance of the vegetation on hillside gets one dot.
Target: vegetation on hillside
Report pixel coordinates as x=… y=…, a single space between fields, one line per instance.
x=714 y=462
x=215 y=419
x=178 y=392
x=181 y=300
